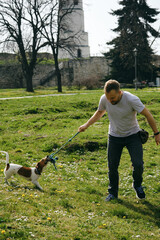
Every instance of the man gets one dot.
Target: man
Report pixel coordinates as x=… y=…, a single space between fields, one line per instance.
x=122 y=108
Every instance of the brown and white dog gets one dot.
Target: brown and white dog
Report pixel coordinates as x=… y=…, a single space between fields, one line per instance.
x=31 y=174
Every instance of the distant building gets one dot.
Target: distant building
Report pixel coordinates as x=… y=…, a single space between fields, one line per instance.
x=156 y=62
x=74 y=26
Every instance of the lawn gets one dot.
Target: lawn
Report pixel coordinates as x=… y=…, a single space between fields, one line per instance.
x=72 y=205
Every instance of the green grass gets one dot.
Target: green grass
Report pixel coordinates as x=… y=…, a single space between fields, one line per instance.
x=72 y=206
x=21 y=92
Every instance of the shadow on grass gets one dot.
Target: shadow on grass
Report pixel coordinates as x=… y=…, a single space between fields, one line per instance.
x=150 y=210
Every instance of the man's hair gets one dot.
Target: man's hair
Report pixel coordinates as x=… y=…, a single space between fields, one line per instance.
x=111 y=85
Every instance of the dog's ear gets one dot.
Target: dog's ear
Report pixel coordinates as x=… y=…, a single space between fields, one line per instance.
x=37 y=166
x=38 y=169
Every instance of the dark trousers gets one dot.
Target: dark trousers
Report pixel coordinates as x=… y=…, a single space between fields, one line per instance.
x=115 y=147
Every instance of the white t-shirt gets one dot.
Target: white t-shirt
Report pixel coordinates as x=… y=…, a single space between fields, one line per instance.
x=122 y=116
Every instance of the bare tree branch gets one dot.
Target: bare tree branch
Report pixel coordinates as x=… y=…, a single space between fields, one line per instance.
x=19 y=24
x=33 y=25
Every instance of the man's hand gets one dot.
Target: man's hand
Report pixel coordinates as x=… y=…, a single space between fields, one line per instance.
x=157 y=139
x=152 y=124
x=82 y=128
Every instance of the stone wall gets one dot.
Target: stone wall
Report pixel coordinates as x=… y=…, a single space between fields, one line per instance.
x=11 y=76
x=83 y=72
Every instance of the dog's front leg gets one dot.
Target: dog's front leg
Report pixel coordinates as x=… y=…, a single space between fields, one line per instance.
x=37 y=185
x=6 y=181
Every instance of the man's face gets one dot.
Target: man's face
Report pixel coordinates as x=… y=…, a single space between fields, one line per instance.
x=114 y=96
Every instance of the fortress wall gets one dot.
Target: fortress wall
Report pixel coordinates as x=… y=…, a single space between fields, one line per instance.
x=74 y=72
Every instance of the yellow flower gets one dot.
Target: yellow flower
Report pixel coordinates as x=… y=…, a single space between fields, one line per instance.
x=49 y=219
x=59 y=191
x=124 y=217
x=2 y=170
x=100 y=227
x=3 y=231
x=31 y=195
x=98 y=204
x=23 y=195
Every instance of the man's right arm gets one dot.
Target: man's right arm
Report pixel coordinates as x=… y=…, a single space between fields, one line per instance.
x=96 y=116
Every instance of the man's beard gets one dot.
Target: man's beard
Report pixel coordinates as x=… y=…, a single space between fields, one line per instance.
x=115 y=102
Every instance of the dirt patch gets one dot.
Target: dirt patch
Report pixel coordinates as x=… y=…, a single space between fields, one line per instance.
x=88 y=146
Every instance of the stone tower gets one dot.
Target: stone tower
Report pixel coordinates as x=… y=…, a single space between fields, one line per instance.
x=74 y=30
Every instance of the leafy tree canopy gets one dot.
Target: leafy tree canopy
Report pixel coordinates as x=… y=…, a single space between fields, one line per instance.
x=133 y=32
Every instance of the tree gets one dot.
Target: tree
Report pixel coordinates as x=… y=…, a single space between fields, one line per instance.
x=34 y=24
x=20 y=25
x=134 y=30
x=56 y=30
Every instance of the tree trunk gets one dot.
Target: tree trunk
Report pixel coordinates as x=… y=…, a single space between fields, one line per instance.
x=58 y=74
x=29 y=83
x=59 y=80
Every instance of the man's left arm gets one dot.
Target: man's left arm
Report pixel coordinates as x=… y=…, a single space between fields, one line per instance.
x=152 y=124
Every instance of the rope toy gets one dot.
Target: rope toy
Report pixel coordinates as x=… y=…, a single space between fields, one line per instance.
x=54 y=159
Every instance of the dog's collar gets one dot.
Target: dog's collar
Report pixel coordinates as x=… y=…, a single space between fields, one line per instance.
x=37 y=171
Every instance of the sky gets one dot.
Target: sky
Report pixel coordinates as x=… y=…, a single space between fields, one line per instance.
x=99 y=22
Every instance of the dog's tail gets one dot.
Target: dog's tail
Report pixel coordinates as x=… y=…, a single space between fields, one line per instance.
x=7 y=156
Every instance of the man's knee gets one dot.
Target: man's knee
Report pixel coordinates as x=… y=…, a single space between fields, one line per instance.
x=138 y=168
